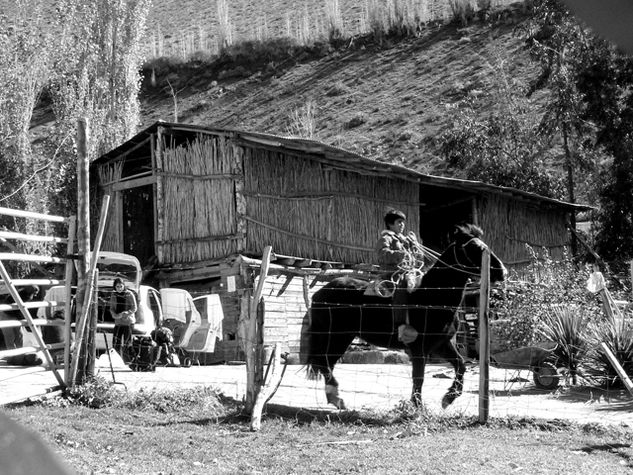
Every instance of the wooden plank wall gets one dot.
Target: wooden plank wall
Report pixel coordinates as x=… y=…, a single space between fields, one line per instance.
x=284 y=315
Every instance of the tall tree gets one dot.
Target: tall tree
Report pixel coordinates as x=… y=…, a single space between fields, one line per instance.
x=25 y=61
x=97 y=71
x=506 y=147
x=593 y=85
x=563 y=48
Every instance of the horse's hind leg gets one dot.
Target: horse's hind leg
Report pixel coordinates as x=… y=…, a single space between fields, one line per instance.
x=449 y=352
x=418 y=364
x=331 y=384
x=331 y=391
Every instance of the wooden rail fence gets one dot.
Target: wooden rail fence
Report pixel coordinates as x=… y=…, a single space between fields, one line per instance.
x=11 y=286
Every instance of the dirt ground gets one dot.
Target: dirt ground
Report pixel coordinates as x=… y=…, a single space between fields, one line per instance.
x=366 y=386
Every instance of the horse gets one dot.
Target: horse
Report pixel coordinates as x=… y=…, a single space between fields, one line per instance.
x=341 y=311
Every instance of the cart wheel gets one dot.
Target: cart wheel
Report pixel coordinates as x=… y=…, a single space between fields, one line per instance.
x=545 y=376
x=186 y=362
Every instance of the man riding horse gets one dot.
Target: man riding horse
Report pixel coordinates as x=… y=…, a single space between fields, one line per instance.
x=401 y=258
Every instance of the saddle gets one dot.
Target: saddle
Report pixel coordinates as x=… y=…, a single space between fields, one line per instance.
x=385 y=288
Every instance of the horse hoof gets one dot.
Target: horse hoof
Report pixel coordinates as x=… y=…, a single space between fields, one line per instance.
x=336 y=401
x=339 y=404
x=416 y=399
x=448 y=399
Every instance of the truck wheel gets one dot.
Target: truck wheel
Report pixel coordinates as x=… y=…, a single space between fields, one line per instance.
x=545 y=376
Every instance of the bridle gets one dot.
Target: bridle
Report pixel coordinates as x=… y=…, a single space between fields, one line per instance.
x=461 y=249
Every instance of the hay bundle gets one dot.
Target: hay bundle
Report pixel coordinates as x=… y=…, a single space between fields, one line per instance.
x=109 y=174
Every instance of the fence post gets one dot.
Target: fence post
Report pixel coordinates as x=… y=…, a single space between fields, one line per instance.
x=253 y=336
x=83 y=242
x=68 y=277
x=81 y=347
x=484 y=338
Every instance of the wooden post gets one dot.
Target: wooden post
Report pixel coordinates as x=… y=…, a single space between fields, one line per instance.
x=253 y=336
x=631 y=277
x=91 y=326
x=271 y=383
x=85 y=308
x=83 y=235
x=68 y=277
x=160 y=213
x=484 y=338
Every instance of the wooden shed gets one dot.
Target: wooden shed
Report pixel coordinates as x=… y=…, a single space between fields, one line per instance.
x=198 y=205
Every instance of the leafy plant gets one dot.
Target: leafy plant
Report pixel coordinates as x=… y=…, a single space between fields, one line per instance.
x=95 y=393
x=225 y=28
x=303 y=122
x=505 y=148
x=567 y=327
x=462 y=11
x=334 y=21
x=617 y=334
x=531 y=297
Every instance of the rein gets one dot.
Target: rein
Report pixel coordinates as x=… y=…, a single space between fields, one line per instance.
x=462 y=267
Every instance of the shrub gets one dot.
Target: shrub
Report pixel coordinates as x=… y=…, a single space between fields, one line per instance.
x=96 y=393
x=303 y=121
x=617 y=334
x=529 y=299
x=334 y=21
x=225 y=28
x=567 y=327
x=177 y=400
x=462 y=11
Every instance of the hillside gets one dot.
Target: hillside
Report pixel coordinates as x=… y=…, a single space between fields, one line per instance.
x=388 y=101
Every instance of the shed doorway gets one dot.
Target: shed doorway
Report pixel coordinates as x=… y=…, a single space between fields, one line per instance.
x=138 y=222
x=442 y=209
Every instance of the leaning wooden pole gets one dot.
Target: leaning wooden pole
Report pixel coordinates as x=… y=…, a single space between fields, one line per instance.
x=484 y=338
x=618 y=367
x=80 y=329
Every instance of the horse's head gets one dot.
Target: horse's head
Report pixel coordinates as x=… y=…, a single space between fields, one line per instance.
x=468 y=249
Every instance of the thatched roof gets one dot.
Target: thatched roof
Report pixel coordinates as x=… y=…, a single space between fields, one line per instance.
x=337 y=158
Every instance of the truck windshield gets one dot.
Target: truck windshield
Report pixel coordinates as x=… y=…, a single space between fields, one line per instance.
x=113 y=270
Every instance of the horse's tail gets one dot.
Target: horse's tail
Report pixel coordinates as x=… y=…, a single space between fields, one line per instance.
x=312 y=333
x=321 y=344
x=307 y=346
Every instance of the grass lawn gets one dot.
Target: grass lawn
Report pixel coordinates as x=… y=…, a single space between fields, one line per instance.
x=200 y=431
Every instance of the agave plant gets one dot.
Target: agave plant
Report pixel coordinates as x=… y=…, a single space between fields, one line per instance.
x=616 y=332
x=566 y=327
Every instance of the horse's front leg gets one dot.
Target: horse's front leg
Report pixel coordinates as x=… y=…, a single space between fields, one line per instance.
x=449 y=352
x=418 y=363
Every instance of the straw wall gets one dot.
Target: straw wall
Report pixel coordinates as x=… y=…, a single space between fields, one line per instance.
x=199 y=180
x=511 y=224
x=306 y=208
x=109 y=174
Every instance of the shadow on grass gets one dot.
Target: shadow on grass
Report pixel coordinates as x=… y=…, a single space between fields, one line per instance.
x=605 y=399
x=616 y=448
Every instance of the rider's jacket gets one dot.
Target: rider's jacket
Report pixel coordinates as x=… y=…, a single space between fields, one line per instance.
x=394 y=248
